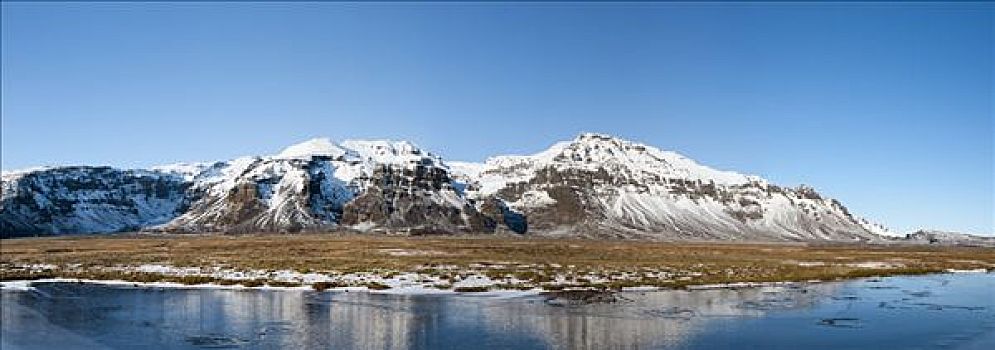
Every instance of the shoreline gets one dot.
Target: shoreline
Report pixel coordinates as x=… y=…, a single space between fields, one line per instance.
x=28 y=285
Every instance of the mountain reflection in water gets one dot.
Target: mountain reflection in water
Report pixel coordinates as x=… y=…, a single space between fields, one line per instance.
x=939 y=311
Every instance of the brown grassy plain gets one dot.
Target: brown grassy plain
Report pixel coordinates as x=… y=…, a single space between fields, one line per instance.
x=529 y=259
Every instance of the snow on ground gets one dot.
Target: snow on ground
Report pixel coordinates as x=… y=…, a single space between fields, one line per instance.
x=479 y=277
x=410 y=252
x=876 y=265
x=967 y=271
x=478 y=280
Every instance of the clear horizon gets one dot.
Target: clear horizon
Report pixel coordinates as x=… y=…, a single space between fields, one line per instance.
x=864 y=102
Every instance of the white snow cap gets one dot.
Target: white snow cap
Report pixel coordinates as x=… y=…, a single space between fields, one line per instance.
x=313 y=147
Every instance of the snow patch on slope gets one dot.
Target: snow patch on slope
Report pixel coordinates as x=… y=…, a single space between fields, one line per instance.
x=533 y=199
x=390 y=152
x=323 y=147
x=878 y=229
x=188 y=171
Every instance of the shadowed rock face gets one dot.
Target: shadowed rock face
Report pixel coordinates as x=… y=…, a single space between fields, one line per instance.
x=593 y=186
x=87 y=199
x=420 y=198
x=496 y=212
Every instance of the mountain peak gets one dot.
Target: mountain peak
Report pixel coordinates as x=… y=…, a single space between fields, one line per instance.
x=601 y=141
x=596 y=150
x=321 y=146
x=585 y=136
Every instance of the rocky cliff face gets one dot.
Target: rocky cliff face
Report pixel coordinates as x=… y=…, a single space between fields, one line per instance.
x=419 y=198
x=88 y=199
x=317 y=185
x=593 y=186
x=598 y=185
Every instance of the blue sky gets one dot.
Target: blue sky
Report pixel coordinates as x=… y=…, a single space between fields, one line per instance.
x=887 y=107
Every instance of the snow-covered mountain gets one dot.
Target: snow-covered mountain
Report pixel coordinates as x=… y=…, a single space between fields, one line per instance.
x=594 y=186
x=314 y=185
x=599 y=185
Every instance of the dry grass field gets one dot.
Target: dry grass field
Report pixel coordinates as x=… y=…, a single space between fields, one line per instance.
x=528 y=259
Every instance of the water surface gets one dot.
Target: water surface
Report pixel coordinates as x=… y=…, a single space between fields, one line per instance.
x=953 y=311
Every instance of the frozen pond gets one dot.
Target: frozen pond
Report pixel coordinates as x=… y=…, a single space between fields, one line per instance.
x=951 y=311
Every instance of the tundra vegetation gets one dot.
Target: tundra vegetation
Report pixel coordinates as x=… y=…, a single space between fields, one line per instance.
x=445 y=262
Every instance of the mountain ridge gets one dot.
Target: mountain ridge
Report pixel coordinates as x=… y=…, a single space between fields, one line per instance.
x=595 y=185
